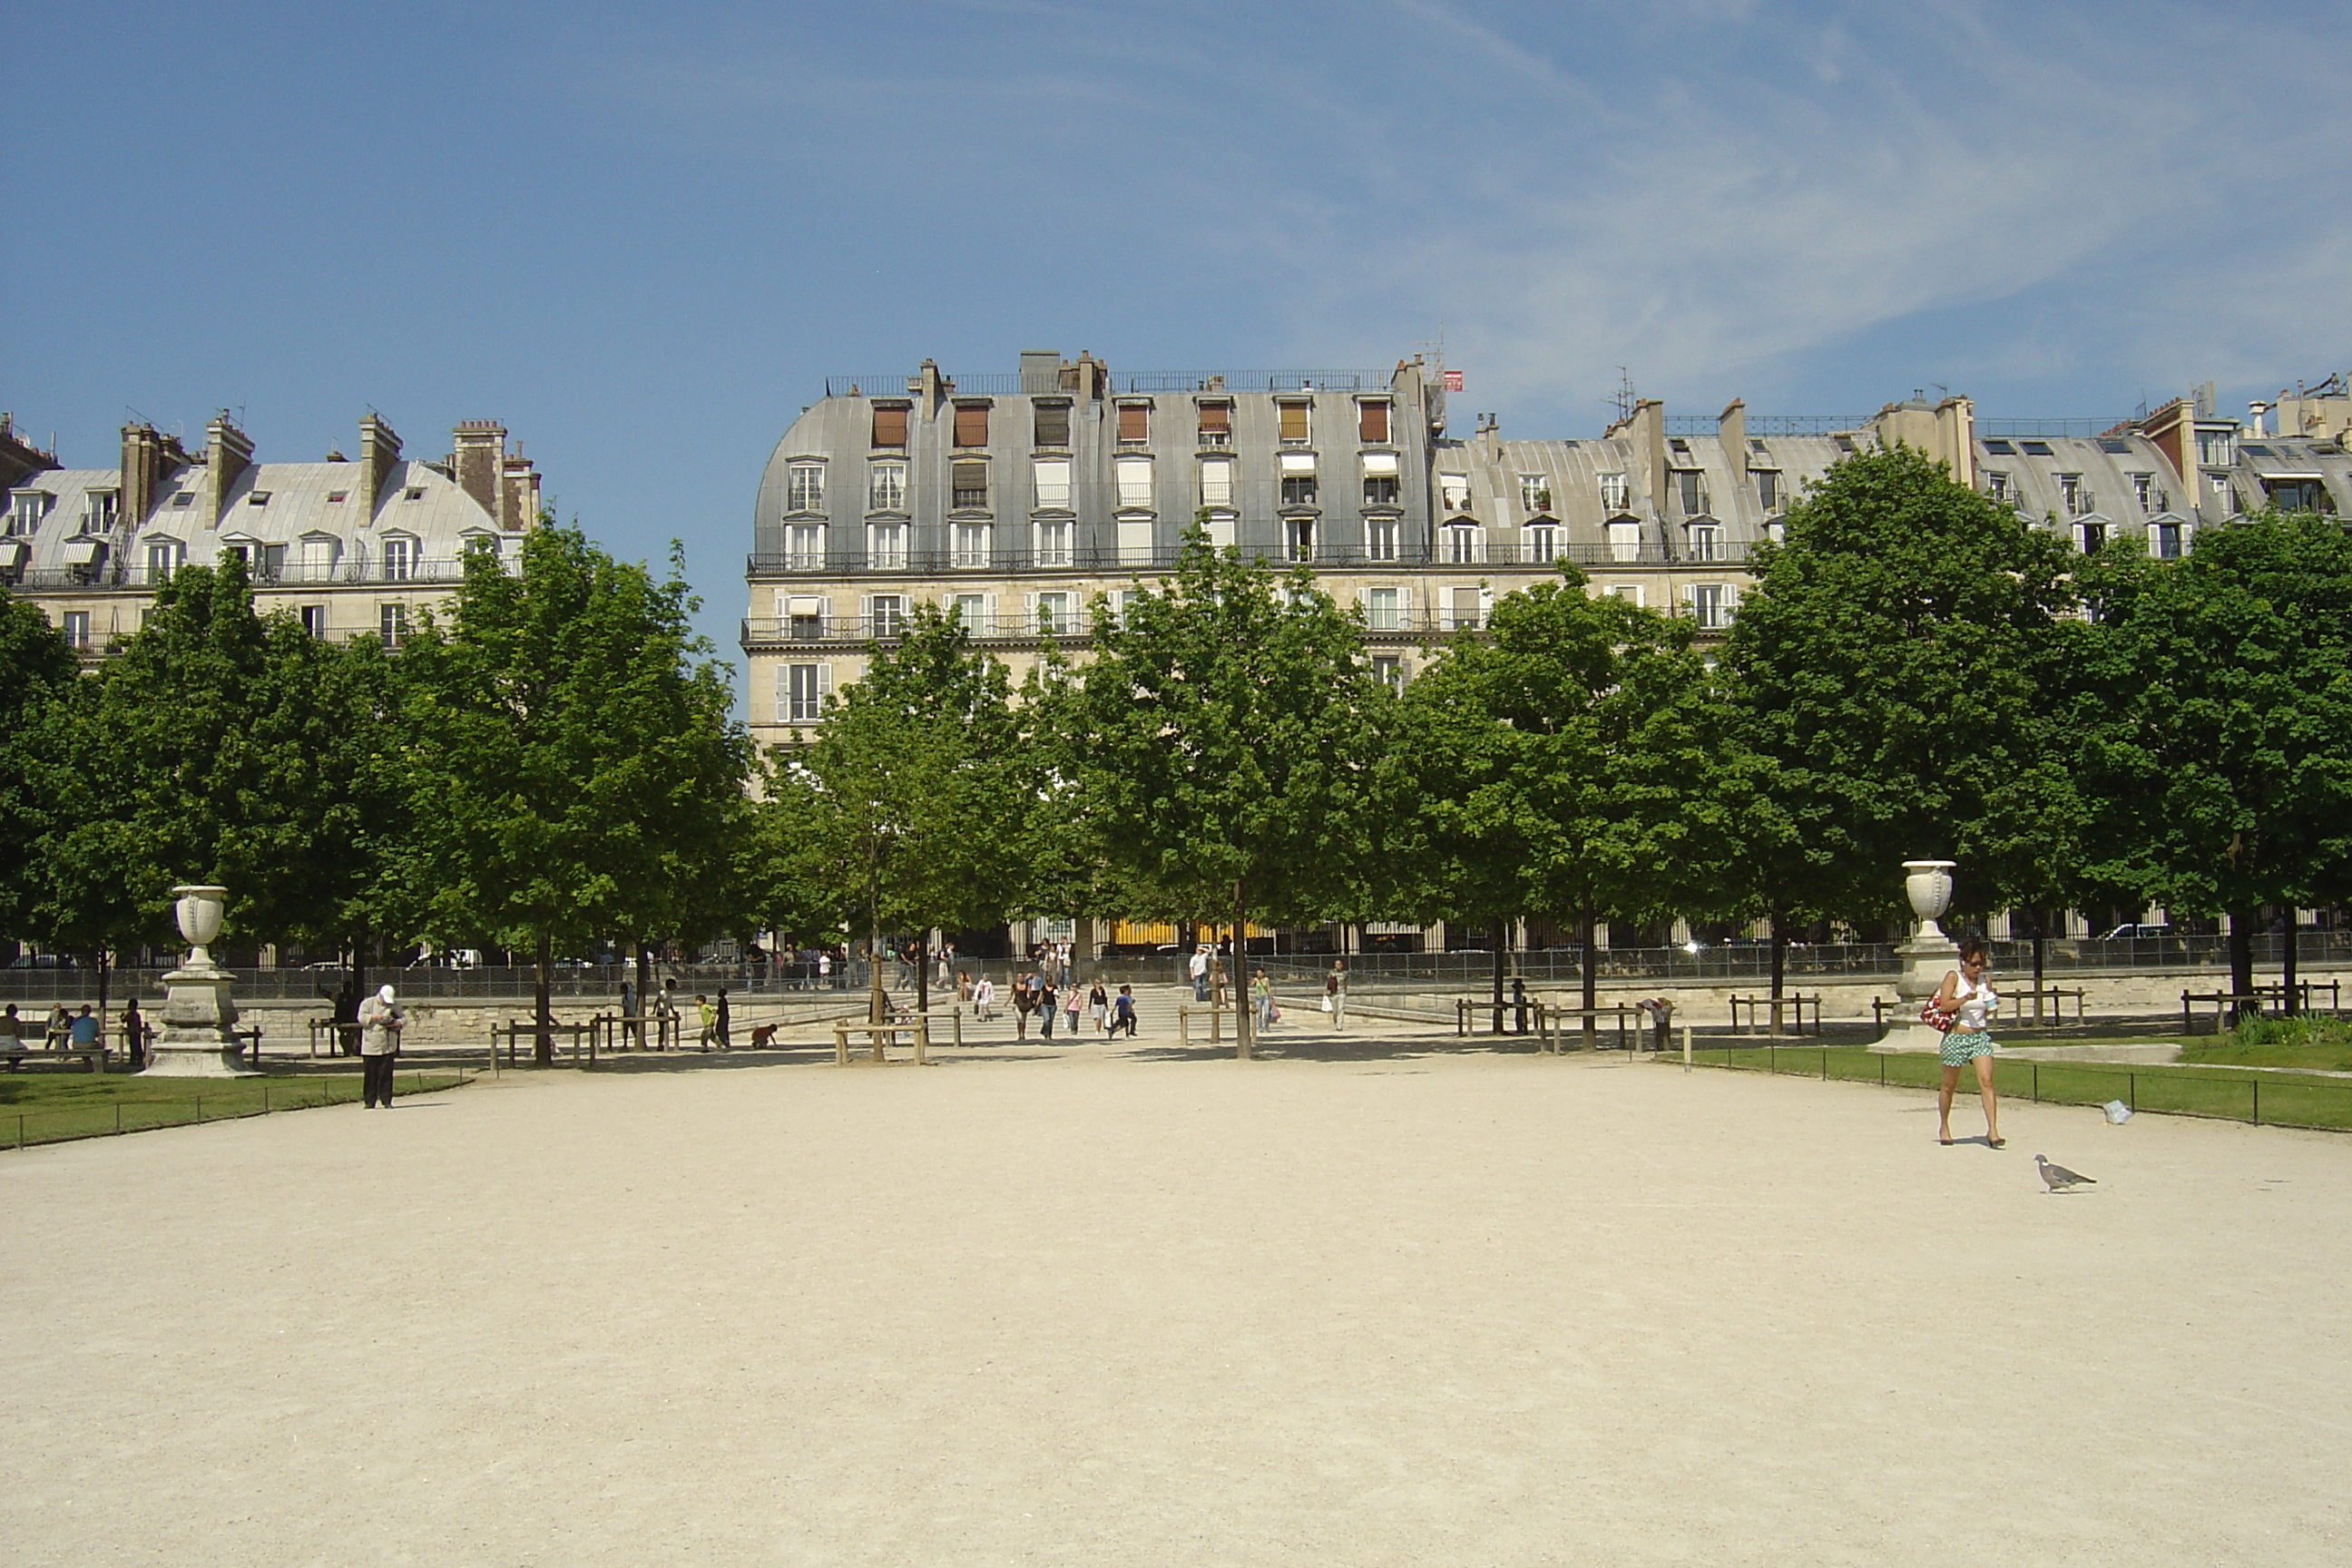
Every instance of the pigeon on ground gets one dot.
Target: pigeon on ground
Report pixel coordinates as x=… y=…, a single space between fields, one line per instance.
x=2058 y=1177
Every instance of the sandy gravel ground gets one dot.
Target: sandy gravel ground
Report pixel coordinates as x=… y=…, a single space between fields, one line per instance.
x=1390 y=1306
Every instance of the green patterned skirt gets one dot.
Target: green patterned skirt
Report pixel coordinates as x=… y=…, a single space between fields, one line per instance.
x=1963 y=1046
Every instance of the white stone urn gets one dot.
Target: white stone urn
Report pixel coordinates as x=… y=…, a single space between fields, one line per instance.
x=1929 y=885
x=199 y=911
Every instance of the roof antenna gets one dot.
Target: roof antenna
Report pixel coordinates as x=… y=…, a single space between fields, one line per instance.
x=1625 y=399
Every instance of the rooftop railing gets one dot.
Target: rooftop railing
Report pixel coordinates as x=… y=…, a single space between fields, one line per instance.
x=1009 y=384
x=1160 y=558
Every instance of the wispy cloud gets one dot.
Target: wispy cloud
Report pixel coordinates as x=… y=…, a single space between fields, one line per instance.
x=1708 y=190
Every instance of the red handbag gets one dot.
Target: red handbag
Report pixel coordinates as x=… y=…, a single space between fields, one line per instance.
x=1937 y=1017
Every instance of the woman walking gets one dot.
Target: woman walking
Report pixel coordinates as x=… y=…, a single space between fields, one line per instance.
x=1262 y=989
x=1098 y=1003
x=1969 y=999
x=1048 y=1003
x=1075 y=1003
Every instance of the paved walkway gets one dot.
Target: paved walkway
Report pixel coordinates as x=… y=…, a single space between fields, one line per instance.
x=1407 y=1304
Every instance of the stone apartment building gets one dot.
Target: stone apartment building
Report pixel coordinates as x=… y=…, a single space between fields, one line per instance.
x=352 y=546
x=1015 y=499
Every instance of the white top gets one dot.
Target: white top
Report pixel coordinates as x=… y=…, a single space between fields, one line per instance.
x=1976 y=1003
x=1199 y=962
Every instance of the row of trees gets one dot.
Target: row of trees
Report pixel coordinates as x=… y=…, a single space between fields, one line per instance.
x=1916 y=673
x=552 y=763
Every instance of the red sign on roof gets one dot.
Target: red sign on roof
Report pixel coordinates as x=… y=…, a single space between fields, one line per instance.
x=1453 y=381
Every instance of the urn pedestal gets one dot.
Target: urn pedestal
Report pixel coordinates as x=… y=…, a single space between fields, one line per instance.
x=1927 y=957
x=197 y=1038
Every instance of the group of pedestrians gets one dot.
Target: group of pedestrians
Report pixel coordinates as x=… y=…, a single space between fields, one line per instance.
x=66 y=1029
x=1044 y=995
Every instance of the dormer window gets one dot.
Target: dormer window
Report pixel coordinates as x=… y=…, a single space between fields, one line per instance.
x=890 y=426
x=805 y=487
x=25 y=511
x=100 y=511
x=399 y=559
x=1373 y=422
x=1053 y=426
x=1291 y=422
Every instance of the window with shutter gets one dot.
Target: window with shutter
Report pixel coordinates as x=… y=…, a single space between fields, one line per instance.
x=1053 y=424
x=1053 y=482
x=1134 y=481
x=968 y=486
x=1216 y=481
x=1134 y=422
x=1372 y=424
x=971 y=424
x=1292 y=421
x=890 y=428
x=1217 y=425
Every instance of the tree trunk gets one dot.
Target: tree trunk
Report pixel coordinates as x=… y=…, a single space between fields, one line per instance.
x=2041 y=951
x=542 y=1045
x=2241 y=964
x=1244 y=1030
x=348 y=1040
x=2288 y=1002
x=923 y=971
x=1779 y=966
x=644 y=990
x=877 y=1006
x=1502 y=964
x=1587 y=927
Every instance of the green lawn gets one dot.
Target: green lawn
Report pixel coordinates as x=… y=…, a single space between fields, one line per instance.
x=49 y=1106
x=2283 y=1099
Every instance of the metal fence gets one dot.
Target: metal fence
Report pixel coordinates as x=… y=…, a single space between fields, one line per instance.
x=1745 y=961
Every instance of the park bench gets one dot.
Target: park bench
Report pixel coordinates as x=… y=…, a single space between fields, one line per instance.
x=1763 y=1009
x=94 y=1056
x=883 y=1034
x=2260 y=999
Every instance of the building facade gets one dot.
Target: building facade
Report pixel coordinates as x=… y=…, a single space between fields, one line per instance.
x=1015 y=499
x=352 y=546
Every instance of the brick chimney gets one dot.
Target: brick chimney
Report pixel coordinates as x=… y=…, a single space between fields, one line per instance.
x=149 y=457
x=478 y=452
x=519 y=495
x=19 y=459
x=379 y=453
x=227 y=452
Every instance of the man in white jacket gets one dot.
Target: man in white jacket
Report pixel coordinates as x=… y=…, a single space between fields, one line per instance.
x=380 y=1021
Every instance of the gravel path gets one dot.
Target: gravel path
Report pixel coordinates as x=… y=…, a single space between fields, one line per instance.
x=1106 y=1307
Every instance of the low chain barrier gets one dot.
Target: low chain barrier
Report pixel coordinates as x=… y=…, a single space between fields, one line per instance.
x=225 y=1100
x=2261 y=1099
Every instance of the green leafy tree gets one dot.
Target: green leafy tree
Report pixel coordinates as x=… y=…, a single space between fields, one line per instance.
x=1892 y=666
x=219 y=745
x=35 y=668
x=913 y=794
x=1225 y=735
x=2215 y=723
x=1570 y=758
x=574 y=762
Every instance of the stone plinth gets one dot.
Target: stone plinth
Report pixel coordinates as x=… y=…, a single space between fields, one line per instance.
x=196 y=1039
x=1925 y=961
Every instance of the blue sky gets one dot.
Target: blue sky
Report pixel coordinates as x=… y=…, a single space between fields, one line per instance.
x=641 y=236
